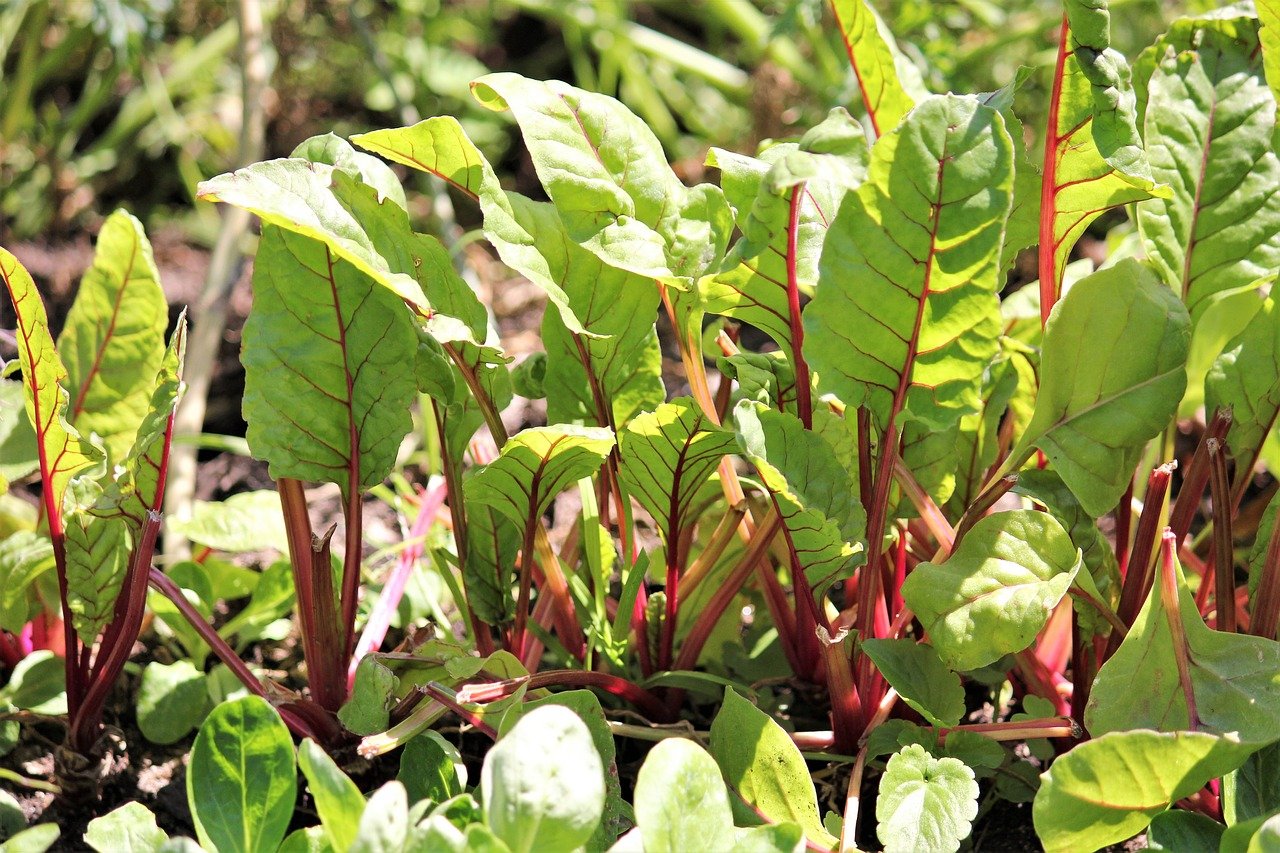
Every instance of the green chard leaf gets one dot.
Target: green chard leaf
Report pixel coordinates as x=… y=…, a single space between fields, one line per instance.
x=681 y=802
x=1094 y=158
x=815 y=494
x=335 y=151
x=242 y=781
x=764 y=767
x=1246 y=379
x=668 y=458
x=607 y=175
x=493 y=543
x=876 y=62
x=1234 y=678
x=1108 y=789
x=1209 y=119
x=328 y=361
x=1112 y=373
x=536 y=465
x=996 y=591
x=1253 y=789
x=113 y=339
x=920 y=677
x=906 y=317
x=1184 y=832
x=339 y=802
x=172 y=700
x=925 y=803
x=129 y=829
x=63 y=451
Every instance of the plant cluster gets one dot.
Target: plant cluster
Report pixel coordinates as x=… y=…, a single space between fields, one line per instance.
x=893 y=504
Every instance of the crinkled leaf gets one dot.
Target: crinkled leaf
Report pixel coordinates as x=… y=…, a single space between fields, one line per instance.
x=815 y=495
x=300 y=196
x=1246 y=379
x=876 y=63
x=113 y=339
x=681 y=802
x=172 y=701
x=1112 y=373
x=1095 y=161
x=63 y=452
x=129 y=829
x=328 y=359
x=764 y=767
x=98 y=544
x=1107 y=789
x=339 y=802
x=536 y=465
x=906 y=316
x=607 y=175
x=241 y=782
x=1209 y=119
x=543 y=783
x=668 y=456
x=920 y=677
x=925 y=803
x=1235 y=678
x=997 y=589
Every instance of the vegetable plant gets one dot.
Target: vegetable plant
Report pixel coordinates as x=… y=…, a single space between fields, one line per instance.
x=890 y=479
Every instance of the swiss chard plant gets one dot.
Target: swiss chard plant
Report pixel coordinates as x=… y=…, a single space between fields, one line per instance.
x=891 y=478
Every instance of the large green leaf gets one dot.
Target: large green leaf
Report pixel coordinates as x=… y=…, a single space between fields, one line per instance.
x=300 y=196
x=536 y=465
x=1107 y=789
x=63 y=452
x=1112 y=373
x=339 y=802
x=926 y=804
x=668 y=456
x=607 y=175
x=920 y=677
x=1094 y=159
x=815 y=494
x=1234 y=678
x=328 y=359
x=997 y=589
x=764 y=767
x=1209 y=119
x=681 y=802
x=824 y=165
x=242 y=782
x=906 y=317
x=876 y=62
x=543 y=783
x=113 y=340
x=1246 y=379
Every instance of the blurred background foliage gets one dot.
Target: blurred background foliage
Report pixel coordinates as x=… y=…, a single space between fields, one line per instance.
x=132 y=102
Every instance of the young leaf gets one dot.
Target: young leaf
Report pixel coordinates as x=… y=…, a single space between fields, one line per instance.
x=925 y=803
x=338 y=801
x=668 y=456
x=1107 y=789
x=1093 y=157
x=129 y=829
x=1184 y=832
x=63 y=452
x=493 y=543
x=1209 y=119
x=384 y=825
x=24 y=556
x=431 y=768
x=906 y=316
x=997 y=589
x=113 y=340
x=172 y=700
x=681 y=802
x=764 y=767
x=811 y=489
x=875 y=62
x=299 y=196
x=1234 y=678
x=241 y=782
x=921 y=679
x=327 y=357
x=536 y=465
x=1246 y=379
x=609 y=179
x=368 y=708
x=1111 y=376
x=246 y=521
x=543 y=783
